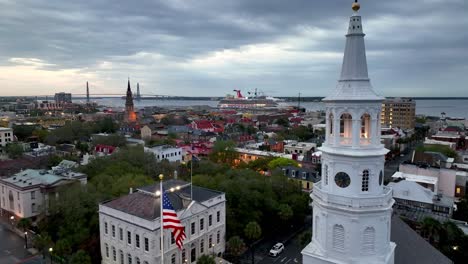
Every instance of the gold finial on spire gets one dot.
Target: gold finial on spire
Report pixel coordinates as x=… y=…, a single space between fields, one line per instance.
x=356 y=6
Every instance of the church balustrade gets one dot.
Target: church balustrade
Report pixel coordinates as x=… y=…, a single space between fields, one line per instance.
x=360 y=203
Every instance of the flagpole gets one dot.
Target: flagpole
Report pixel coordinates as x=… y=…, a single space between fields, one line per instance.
x=161 y=216
x=191 y=181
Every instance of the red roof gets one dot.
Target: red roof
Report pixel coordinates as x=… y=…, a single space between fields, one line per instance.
x=104 y=148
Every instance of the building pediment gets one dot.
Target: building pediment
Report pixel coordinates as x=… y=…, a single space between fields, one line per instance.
x=193 y=208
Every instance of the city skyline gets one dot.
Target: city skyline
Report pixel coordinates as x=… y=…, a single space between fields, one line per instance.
x=209 y=48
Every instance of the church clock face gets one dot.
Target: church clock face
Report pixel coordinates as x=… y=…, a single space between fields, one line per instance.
x=342 y=179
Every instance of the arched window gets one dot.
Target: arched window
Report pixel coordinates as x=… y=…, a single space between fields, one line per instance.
x=173 y=259
x=338 y=237
x=365 y=133
x=137 y=260
x=122 y=260
x=330 y=120
x=368 y=240
x=365 y=181
x=114 y=254
x=380 y=178
x=346 y=128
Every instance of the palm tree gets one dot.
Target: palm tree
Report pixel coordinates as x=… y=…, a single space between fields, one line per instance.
x=42 y=242
x=253 y=231
x=236 y=247
x=431 y=229
x=24 y=224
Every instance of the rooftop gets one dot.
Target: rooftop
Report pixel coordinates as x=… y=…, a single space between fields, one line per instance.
x=412 y=248
x=144 y=202
x=31 y=177
x=415 y=177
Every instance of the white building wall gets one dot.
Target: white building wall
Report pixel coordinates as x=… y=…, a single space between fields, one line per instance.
x=151 y=230
x=170 y=154
x=22 y=201
x=6 y=136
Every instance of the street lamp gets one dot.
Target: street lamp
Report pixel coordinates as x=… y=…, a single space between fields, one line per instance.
x=50 y=254
x=26 y=240
x=212 y=246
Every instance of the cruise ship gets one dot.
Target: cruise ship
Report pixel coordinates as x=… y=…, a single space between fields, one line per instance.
x=240 y=101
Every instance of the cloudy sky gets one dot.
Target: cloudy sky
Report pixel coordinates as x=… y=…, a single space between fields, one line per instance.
x=209 y=47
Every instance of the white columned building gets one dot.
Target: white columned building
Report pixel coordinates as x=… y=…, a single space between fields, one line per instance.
x=351 y=207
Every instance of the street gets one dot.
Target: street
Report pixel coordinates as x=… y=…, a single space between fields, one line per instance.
x=290 y=255
x=11 y=247
x=392 y=166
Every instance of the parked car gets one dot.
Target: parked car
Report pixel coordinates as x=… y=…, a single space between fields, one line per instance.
x=276 y=249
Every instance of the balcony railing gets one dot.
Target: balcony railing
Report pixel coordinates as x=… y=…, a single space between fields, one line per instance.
x=353 y=202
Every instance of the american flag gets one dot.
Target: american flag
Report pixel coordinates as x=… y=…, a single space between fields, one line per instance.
x=172 y=222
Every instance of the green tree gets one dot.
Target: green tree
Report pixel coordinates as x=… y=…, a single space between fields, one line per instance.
x=41 y=134
x=63 y=247
x=14 y=150
x=22 y=132
x=235 y=246
x=24 y=224
x=438 y=148
x=80 y=257
x=252 y=232
x=282 y=162
x=305 y=238
x=111 y=140
x=285 y=212
x=223 y=152
x=205 y=259
x=431 y=229
x=282 y=122
x=42 y=242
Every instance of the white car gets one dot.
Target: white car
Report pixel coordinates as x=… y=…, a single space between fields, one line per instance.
x=276 y=249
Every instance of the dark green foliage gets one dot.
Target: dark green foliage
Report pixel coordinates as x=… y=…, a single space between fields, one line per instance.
x=305 y=238
x=22 y=132
x=80 y=131
x=282 y=122
x=14 y=150
x=24 y=224
x=205 y=259
x=73 y=222
x=252 y=197
x=447 y=237
x=80 y=257
x=281 y=162
x=110 y=140
x=462 y=209
x=223 y=152
x=235 y=246
x=438 y=148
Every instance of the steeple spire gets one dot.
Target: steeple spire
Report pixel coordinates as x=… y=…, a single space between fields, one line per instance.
x=354 y=83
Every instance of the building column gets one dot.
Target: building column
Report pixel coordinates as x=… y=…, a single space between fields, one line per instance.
x=356 y=133
x=327 y=128
x=336 y=130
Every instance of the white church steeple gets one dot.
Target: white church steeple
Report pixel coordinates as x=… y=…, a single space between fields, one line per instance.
x=352 y=207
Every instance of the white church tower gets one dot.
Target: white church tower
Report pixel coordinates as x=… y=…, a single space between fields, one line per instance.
x=351 y=207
